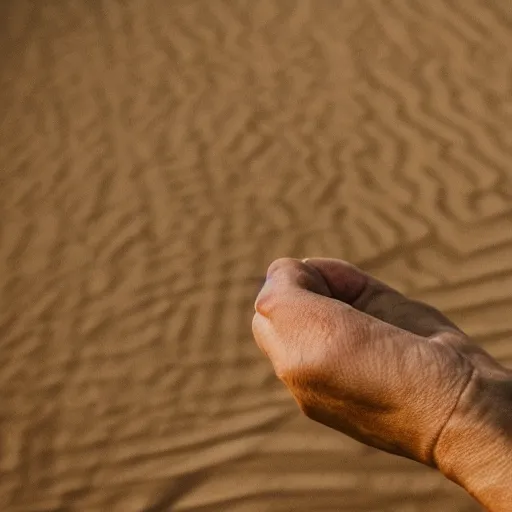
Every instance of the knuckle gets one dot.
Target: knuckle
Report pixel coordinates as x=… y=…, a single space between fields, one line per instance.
x=450 y=338
x=280 y=263
x=265 y=303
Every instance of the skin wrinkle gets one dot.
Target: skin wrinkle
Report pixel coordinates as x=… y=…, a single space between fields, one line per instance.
x=470 y=379
x=390 y=372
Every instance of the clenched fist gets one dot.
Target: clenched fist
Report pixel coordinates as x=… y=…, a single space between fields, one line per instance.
x=393 y=373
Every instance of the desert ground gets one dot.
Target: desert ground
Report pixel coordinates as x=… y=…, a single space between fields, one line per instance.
x=155 y=157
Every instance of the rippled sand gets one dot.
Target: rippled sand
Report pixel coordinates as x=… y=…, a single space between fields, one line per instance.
x=155 y=156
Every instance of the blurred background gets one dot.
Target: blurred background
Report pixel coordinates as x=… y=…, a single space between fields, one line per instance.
x=155 y=157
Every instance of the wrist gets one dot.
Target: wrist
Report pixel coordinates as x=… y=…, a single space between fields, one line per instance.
x=475 y=447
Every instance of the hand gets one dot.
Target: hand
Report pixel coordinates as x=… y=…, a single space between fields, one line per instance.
x=388 y=371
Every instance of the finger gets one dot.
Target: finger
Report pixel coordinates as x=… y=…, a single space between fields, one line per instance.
x=284 y=276
x=268 y=342
x=297 y=318
x=369 y=295
x=294 y=298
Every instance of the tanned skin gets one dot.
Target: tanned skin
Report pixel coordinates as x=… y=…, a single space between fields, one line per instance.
x=388 y=371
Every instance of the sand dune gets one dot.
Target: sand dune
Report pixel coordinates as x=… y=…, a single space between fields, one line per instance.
x=155 y=156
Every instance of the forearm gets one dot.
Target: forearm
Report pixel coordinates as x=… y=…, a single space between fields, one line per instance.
x=475 y=449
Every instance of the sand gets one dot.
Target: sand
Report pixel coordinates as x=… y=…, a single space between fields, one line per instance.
x=155 y=157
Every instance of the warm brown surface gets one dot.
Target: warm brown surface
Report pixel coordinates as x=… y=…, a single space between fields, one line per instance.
x=155 y=156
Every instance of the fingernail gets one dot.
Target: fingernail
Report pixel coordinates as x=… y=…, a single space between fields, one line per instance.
x=305 y=260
